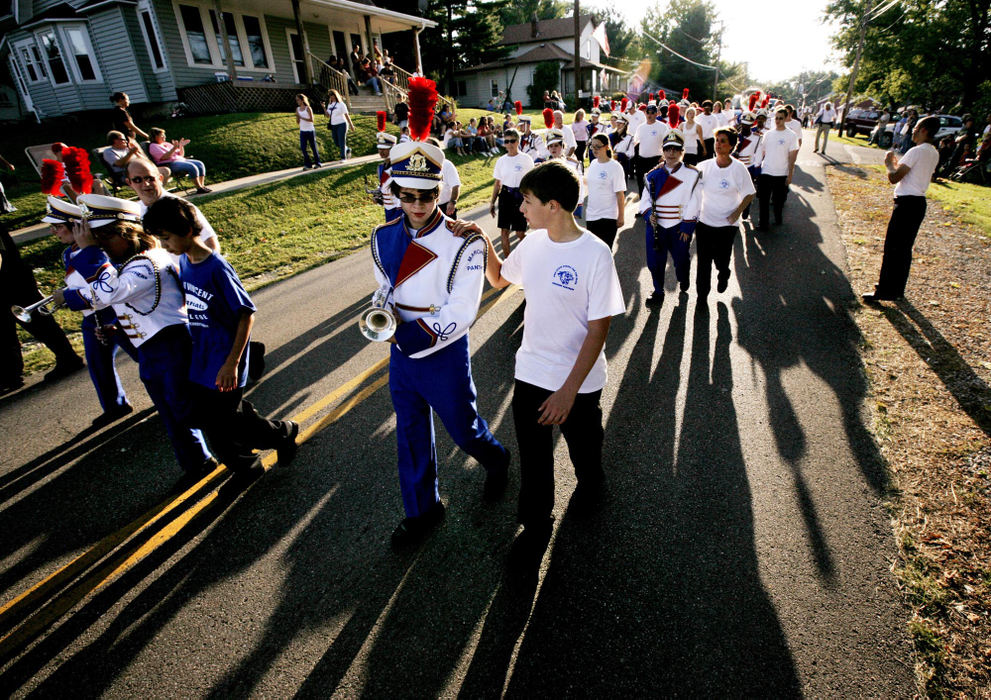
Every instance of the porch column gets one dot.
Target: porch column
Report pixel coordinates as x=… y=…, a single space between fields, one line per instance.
x=224 y=37
x=368 y=37
x=307 y=73
x=416 y=50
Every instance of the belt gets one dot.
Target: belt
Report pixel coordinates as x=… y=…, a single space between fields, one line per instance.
x=429 y=309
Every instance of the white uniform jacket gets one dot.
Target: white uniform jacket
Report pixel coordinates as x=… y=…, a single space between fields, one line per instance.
x=145 y=292
x=436 y=281
x=750 y=150
x=675 y=197
x=533 y=145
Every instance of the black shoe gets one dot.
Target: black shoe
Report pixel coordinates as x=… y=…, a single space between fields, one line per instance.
x=721 y=286
x=192 y=476
x=287 y=450
x=112 y=415
x=655 y=300
x=411 y=531
x=64 y=368
x=203 y=190
x=496 y=480
x=684 y=287
x=874 y=298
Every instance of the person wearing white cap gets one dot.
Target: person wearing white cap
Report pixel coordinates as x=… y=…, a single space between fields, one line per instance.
x=670 y=204
x=621 y=142
x=531 y=143
x=749 y=150
x=81 y=267
x=151 y=309
x=432 y=281
x=383 y=194
x=556 y=147
x=508 y=172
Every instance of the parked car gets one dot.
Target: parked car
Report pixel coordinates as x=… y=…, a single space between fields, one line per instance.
x=861 y=121
x=949 y=125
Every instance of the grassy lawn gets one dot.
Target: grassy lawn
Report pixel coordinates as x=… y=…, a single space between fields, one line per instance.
x=969 y=202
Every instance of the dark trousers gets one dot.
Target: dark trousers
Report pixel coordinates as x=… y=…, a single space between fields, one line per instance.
x=340 y=134
x=232 y=425
x=713 y=244
x=100 y=359
x=604 y=229
x=772 y=191
x=710 y=144
x=644 y=166
x=691 y=158
x=903 y=227
x=21 y=290
x=580 y=151
x=659 y=244
x=582 y=431
x=309 y=138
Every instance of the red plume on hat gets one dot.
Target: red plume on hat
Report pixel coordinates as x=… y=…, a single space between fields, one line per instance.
x=650 y=96
x=519 y=107
x=52 y=173
x=674 y=114
x=752 y=102
x=77 y=169
x=380 y=121
x=624 y=103
x=612 y=105
x=548 y=117
x=422 y=100
x=642 y=108
x=595 y=102
x=684 y=94
x=767 y=98
x=661 y=96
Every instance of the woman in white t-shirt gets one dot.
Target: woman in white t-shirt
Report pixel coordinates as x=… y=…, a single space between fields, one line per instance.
x=340 y=121
x=727 y=191
x=692 y=133
x=307 y=131
x=605 y=182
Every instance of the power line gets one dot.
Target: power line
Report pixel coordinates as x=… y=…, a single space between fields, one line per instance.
x=683 y=58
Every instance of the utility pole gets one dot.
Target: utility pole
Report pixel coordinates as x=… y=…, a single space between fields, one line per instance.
x=864 y=19
x=578 y=58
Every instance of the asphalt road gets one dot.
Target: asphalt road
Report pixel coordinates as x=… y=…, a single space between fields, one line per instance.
x=742 y=548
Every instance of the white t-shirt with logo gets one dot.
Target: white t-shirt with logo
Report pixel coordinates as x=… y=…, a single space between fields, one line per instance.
x=922 y=161
x=708 y=122
x=796 y=127
x=778 y=143
x=603 y=181
x=722 y=190
x=650 y=137
x=566 y=286
x=509 y=170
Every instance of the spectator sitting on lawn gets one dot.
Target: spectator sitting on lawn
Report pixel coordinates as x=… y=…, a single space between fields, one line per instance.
x=122 y=150
x=470 y=136
x=452 y=138
x=173 y=155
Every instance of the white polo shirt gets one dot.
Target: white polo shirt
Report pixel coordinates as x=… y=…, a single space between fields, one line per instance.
x=650 y=137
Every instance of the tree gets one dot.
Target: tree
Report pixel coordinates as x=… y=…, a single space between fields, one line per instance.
x=468 y=32
x=545 y=77
x=686 y=26
x=522 y=11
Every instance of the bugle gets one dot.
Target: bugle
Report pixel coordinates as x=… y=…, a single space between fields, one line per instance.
x=377 y=323
x=45 y=307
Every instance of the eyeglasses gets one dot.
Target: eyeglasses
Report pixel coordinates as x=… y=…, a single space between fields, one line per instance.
x=509 y=141
x=139 y=179
x=425 y=198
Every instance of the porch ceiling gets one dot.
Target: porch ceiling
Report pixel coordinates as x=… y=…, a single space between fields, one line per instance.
x=334 y=13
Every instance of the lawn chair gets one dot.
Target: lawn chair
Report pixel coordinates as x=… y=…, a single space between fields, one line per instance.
x=112 y=181
x=36 y=154
x=976 y=171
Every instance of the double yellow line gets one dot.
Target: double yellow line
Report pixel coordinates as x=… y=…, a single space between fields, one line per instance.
x=30 y=614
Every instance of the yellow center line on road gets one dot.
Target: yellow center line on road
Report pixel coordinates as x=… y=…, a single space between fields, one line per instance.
x=46 y=614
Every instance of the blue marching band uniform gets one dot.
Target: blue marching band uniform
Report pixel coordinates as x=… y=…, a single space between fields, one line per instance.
x=150 y=304
x=385 y=142
x=434 y=281
x=670 y=204
x=81 y=268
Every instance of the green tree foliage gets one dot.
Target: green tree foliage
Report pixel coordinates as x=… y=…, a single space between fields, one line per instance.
x=468 y=33
x=624 y=43
x=546 y=76
x=808 y=85
x=935 y=53
x=686 y=26
x=521 y=11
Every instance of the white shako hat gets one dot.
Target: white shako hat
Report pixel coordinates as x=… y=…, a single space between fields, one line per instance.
x=620 y=117
x=416 y=165
x=100 y=210
x=60 y=211
x=552 y=136
x=385 y=141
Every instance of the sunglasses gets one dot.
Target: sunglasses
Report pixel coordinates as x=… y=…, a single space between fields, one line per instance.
x=139 y=179
x=509 y=141
x=410 y=198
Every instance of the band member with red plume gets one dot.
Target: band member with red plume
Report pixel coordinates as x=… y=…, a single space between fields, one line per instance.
x=649 y=137
x=432 y=281
x=531 y=143
x=340 y=121
x=383 y=194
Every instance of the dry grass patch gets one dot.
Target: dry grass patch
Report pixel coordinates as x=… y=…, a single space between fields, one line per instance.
x=929 y=363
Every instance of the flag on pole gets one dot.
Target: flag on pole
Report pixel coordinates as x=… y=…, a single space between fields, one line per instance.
x=599 y=34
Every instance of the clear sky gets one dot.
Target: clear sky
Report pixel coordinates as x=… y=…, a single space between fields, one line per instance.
x=778 y=40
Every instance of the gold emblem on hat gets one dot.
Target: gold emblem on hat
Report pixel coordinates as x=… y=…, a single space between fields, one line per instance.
x=417 y=162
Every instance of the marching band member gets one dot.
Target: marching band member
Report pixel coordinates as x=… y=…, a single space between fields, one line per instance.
x=670 y=203
x=749 y=151
x=434 y=280
x=142 y=285
x=509 y=170
x=557 y=144
x=81 y=268
x=777 y=168
x=622 y=144
x=531 y=143
x=649 y=137
x=383 y=195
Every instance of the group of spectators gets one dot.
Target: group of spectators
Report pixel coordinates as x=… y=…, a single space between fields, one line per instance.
x=365 y=69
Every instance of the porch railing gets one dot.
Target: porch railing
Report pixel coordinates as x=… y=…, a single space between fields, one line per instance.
x=402 y=83
x=328 y=77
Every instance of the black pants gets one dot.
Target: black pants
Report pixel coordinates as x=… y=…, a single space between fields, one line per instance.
x=903 y=227
x=691 y=158
x=710 y=144
x=232 y=425
x=604 y=229
x=644 y=166
x=772 y=191
x=582 y=431
x=713 y=244
x=580 y=151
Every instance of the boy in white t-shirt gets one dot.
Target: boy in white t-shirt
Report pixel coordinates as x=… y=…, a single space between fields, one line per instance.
x=910 y=176
x=508 y=172
x=572 y=291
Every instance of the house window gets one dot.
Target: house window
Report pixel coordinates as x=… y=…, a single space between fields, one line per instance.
x=192 y=23
x=460 y=88
x=232 y=39
x=494 y=89
x=53 y=56
x=151 y=38
x=31 y=61
x=78 y=43
x=256 y=41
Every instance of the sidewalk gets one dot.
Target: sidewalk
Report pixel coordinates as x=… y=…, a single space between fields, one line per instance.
x=33 y=233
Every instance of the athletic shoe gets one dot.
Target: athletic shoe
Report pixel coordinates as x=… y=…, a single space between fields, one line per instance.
x=655 y=300
x=287 y=449
x=721 y=285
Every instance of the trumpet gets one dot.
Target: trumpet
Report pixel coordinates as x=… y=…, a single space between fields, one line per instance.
x=377 y=323
x=46 y=307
